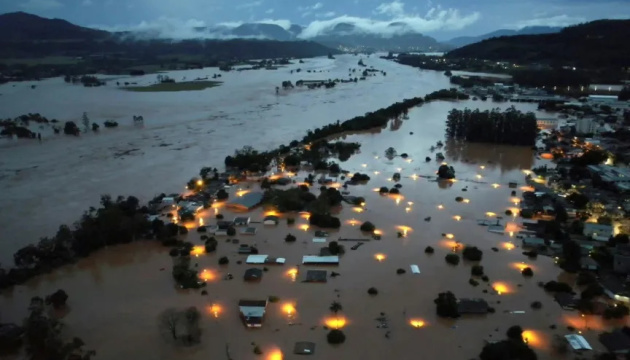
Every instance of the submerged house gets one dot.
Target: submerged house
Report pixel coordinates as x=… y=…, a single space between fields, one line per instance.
x=252 y=312
x=472 y=306
x=320 y=260
x=246 y=202
x=598 y=232
x=264 y=259
x=271 y=220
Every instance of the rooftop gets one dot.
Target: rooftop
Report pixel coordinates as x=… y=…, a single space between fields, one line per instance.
x=247 y=201
x=472 y=306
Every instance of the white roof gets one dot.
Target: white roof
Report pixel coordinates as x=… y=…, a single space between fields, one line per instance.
x=319 y=240
x=256 y=259
x=252 y=311
x=415 y=269
x=306 y=259
x=578 y=342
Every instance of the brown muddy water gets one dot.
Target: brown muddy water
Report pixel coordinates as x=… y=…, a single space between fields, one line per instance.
x=117 y=294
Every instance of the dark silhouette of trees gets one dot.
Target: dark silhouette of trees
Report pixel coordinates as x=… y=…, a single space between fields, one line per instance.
x=70 y=128
x=446 y=305
x=508 y=127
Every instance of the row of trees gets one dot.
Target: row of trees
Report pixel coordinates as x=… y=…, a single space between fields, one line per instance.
x=508 y=127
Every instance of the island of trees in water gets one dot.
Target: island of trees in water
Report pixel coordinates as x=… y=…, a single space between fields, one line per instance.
x=492 y=126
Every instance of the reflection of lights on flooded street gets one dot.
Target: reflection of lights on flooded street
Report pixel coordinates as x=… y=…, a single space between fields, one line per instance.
x=479 y=176
x=407 y=209
x=378 y=232
x=199 y=182
x=304 y=227
x=353 y=222
x=495 y=185
x=305 y=215
x=275 y=355
x=501 y=288
x=364 y=165
x=289 y=309
x=404 y=230
x=414 y=176
x=519 y=266
x=511 y=233
x=376 y=173
x=214 y=309
x=336 y=322
x=292 y=273
x=440 y=207
x=379 y=257
x=533 y=338
x=358 y=209
x=399 y=169
x=398 y=200
x=467 y=201
x=240 y=193
x=206 y=275
x=490 y=214
x=200 y=221
x=508 y=246
x=482 y=167
x=457 y=218
x=198 y=250
x=449 y=236
x=416 y=323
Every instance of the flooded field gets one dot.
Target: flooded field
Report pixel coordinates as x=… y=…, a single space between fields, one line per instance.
x=117 y=294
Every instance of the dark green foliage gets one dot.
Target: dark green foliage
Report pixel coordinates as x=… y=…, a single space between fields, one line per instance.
x=459 y=199
x=555 y=286
x=211 y=245
x=401 y=271
x=591 y=157
x=446 y=305
x=578 y=200
x=429 y=250
x=507 y=350
x=394 y=191
x=515 y=333
x=620 y=239
x=336 y=336
x=383 y=190
x=290 y=221
x=222 y=195
x=592 y=291
x=293 y=199
x=472 y=253
x=446 y=94
x=325 y=221
x=473 y=282
x=509 y=127
x=617 y=311
x=231 y=231
x=335 y=248
x=372 y=291
x=110 y=124
x=57 y=299
x=527 y=272
x=476 y=270
x=571 y=256
x=585 y=278
x=446 y=172
x=224 y=260
x=536 y=305
x=452 y=259
x=220 y=216
x=368 y=227
x=290 y=238
x=70 y=128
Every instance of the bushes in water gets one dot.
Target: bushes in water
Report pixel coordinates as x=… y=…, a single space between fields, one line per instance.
x=476 y=270
x=372 y=291
x=429 y=250
x=556 y=286
x=472 y=253
x=446 y=305
x=368 y=227
x=336 y=336
x=452 y=259
x=527 y=272
x=224 y=260
x=290 y=238
x=325 y=221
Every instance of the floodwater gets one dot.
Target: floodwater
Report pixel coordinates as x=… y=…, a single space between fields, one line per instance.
x=117 y=294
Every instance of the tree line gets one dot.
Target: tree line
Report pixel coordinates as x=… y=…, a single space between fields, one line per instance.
x=508 y=127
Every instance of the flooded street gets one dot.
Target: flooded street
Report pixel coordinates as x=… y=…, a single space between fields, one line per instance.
x=117 y=294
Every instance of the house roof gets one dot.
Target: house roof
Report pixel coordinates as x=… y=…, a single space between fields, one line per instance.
x=264 y=259
x=472 y=306
x=247 y=201
x=565 y=300
x=312 y=259
x=578 y=342
x=597 y=227
x=316 y=276
x=616 y=341
x=304 y=348
x=253 y=274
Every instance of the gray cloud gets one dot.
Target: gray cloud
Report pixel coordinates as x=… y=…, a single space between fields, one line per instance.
x=558 y=20
x=41 y=5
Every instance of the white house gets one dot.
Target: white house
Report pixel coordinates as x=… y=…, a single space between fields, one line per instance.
x=598 y=232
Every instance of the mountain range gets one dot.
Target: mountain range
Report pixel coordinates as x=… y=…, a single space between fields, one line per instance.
x=597 y=44
x=529 y=30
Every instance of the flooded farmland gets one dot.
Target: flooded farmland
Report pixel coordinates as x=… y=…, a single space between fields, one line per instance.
x=117 y=294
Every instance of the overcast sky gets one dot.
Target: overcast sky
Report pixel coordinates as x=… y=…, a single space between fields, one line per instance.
x=441 y=19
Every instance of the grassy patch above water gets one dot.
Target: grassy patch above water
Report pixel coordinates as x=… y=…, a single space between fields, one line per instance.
x=178 y=86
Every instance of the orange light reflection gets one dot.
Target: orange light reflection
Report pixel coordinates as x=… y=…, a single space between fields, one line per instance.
x=417 y=323
x=335 y=322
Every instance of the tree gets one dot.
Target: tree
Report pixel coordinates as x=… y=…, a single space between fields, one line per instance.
x=452 y=259
x=86 y=122
x=476 y=270
x=390 y=153
x=578 y=200
x=446 y=172
x=70 y=128
x=472 y=253
x=446 y=305
x=290 y=238
x=57 y=299
x=168 y=322
x=368 y=227
x=515 y=333
x=571 y=256
x=335 y=307
x=336 y=336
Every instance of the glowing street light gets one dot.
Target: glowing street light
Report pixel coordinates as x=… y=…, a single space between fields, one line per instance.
x=379 y=257
x=416 y=323
x=457 y=218
x=440 y=207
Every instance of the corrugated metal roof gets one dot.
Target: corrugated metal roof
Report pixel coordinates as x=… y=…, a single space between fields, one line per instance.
x=312 y=259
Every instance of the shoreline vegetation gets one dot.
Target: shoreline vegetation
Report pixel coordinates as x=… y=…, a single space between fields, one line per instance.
x=124 y=220
x=492 y=126
x=175 y=86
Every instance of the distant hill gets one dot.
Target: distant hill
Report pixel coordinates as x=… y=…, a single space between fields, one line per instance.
x=403 y=39
x=529 y=30
x=602 y=43
x=20 y=26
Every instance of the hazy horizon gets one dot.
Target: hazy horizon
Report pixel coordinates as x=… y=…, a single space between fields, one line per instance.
x=440 y=19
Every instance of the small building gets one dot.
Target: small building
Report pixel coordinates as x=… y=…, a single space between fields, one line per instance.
x=248 y=231
x=578 y=342
x=264 y=259
x=472 y=306
x=304 y=348
x=565 y=300
x=598 y=232
x=241 y=221
x=615 y=288
x=246 y=202
x=588 y=263
x=224 y=224
x=253 y=275
x=533 y=242
x=617 y=341
x=316 y=276
x=252 y=312
x=271 y=220
x=246 y=249
x=496 y=229
x=320 y=260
